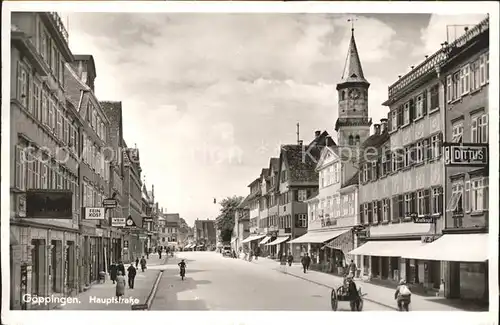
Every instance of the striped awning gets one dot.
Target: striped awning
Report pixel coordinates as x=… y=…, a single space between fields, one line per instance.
x=252 y=237
x=265 y=240
x=278 y=241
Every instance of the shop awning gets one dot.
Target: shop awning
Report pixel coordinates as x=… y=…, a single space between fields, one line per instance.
x=318 y=237
x=278 y=241
x=189 y=246
x=394 y=248
x=265 y=240
x=252 y=237
x=454 y=248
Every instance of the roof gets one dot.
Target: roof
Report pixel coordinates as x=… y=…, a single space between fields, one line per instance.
x=90 y=59
x=172 y=217
x=274 y=164
x=354 y=180
x=374 y=141
x=265 y=172
x=244 y=202
x=353 y=72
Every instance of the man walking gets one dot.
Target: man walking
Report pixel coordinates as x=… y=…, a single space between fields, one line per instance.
x=132 y=272
x=113 y=272
x=143 y=264
x=159 y=253
x=352 y=269
x=306 y=261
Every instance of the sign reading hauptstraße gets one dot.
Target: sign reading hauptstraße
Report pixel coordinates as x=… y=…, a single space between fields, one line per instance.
x=118 y=222
x=94 y=213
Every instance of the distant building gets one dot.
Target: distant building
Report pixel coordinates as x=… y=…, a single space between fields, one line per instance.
x=172 y=226
x=204 y=232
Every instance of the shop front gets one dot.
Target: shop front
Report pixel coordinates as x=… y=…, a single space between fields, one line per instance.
x=279 y=246
x=252 y=242
x=324 y=257
x=465 y=265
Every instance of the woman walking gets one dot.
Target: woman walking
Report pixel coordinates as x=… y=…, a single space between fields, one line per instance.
x=120 y=284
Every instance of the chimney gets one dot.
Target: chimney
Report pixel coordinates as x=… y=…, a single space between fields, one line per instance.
x=383 y=125
x=376 y=128
x=317 y=134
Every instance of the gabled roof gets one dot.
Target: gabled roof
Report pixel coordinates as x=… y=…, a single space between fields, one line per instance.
x=353 y=72
x=373 y=141
x=172 y=217
x=274 y=164
x=264 y=173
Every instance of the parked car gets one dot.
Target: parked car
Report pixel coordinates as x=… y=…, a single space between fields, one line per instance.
x=226 y=251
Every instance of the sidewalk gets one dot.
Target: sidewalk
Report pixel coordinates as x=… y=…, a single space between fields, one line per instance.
x=374 y=293
x=98 y=296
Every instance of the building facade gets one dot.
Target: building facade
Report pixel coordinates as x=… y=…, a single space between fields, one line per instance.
x=401 y=188
x=44 y=133
x=204 y=233
x=463 y=248
x=172 y=228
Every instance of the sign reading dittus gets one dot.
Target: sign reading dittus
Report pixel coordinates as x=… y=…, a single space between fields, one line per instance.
x=466 y=154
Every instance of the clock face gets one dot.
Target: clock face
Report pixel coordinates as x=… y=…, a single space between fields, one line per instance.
x=354 y=94
x=130 y=222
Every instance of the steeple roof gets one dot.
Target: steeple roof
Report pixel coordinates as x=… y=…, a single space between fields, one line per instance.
x=353 y=72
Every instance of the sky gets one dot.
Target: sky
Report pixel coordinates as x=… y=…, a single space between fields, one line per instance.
x=209 y=98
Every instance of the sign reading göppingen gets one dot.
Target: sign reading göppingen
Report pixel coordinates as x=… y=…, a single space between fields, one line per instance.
x=466 y=154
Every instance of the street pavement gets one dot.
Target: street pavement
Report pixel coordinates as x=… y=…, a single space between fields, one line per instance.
x=99 y=296
x=216 y=283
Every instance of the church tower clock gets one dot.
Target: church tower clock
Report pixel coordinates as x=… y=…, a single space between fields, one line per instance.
x=353 y=123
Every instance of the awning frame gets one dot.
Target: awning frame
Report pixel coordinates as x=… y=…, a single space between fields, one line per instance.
x=278 y=240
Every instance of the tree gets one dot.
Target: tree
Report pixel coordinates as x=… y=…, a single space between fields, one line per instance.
x=225 y=220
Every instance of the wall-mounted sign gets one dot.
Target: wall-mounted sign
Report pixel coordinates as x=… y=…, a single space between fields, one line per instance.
x=466 y=154
x=125 y=244
x=109 y=203
x=118 y=222
x=147 y=219
x=422 y=218
x=49 y=204
x=130 y=223
x=94 y=213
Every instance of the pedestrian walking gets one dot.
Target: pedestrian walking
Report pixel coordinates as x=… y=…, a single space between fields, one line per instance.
x=136 y=262
x=306 y=260
x=159 y=254
x=121 y=267
x=113 y=270
x=352 y=269
x=131 y=272
x=143 y=264
x=290 y=259
x=120 y=284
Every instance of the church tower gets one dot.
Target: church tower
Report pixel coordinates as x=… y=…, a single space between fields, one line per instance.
x=353 y=123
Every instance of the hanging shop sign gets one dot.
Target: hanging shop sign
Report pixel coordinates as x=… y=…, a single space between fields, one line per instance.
x=109 y=203
x=94 y=213
x=49 y=204
x=99 y=232
x=466 y=154
x=118 y=222
x=147 y=219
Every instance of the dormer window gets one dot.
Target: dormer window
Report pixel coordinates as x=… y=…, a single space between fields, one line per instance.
x=357 y=140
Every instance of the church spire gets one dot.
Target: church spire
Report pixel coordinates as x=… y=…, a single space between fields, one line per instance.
x=353 y=72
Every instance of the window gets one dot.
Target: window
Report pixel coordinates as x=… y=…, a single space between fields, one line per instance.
x=434 y=98
x=464 y=80
x=482 y=70
x=302 y=195
x=479 y=194
x=54 y=61
x=45 y=110
x=419 y=106
x=458 y=132
x=467 y=196
x=20 y=168
x=365 y=213
x=374 y=171
x=351 y=205
x=365 y=172
x=44 y=176
x=406 y=113
x=385 y=210
x=59 y=123
x=52 y=115
x=302 y=220
x=435 y=148
x=394 y=118
x=487 y=67
x=345 y=205
x=419 y=150
x=449 y=88
x=456 y=85
x=408 y=204
x=421 y=203
x=35 y=100
x=456 y=203
x=437 y=200
x=22 y=85
x=407 y=157
x=479 y=129
x=375 y=212
x=474 y=76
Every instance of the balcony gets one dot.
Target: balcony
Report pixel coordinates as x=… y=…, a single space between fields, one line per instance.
x=59 y=25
